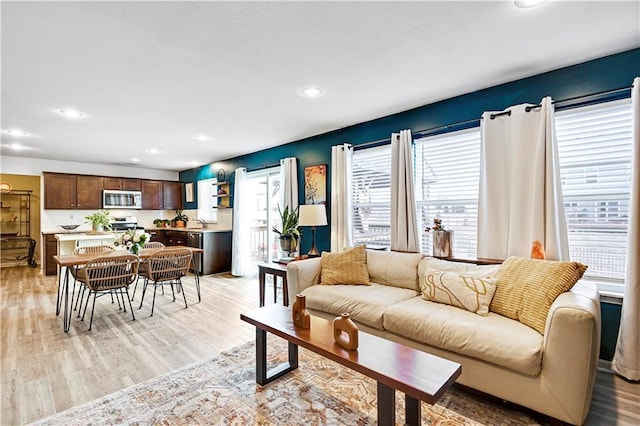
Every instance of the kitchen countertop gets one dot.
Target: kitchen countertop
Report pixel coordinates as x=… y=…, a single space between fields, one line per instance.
x=189 y=229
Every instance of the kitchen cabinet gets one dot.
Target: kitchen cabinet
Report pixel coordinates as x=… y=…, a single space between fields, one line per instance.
x=59 y=191
x=88 y=192
x=50 y=250
x=65 y=191
x=175 y=238
x=155 y=235
x=172 y=195
x=152 y=195
x=124 y=184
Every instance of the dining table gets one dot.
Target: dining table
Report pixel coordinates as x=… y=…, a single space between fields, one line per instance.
x=67 y=261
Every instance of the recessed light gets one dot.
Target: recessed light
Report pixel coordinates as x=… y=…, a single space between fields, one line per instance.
x=134 y=160
x=15 y=132
x=153 y=151
x=202 y=137
x=526 y=4
x=311 y=91
x=16 y=146
x=71 y=113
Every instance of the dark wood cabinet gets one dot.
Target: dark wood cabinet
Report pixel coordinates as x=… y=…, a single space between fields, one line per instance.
x=156 y=235
x=172 y=195
x=64 y=191
x=68 y=191
x=124 y=184
x=152 y=195
x=59 y=191
x=88 y=192
x=50 y=250
x=175 y=238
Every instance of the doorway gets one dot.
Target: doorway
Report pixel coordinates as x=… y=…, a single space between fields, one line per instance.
x=264 y=189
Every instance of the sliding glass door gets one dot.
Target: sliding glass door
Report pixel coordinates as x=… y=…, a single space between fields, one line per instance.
x=264 y=187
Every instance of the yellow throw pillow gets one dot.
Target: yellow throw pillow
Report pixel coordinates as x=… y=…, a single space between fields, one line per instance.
x=467 y=292
x=348 y=267
x=526 y=288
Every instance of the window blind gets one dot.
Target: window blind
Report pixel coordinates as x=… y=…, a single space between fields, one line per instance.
x=371 y=196
x=447 y=172
x=594 y=146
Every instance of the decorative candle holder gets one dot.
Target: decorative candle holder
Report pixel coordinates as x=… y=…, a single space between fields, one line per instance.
x=345 y=332
x=301 y=317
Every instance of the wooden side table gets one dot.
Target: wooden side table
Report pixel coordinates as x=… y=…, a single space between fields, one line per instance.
x=276 y=270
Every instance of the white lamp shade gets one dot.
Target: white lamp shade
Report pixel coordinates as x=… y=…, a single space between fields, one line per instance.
x=312 y=215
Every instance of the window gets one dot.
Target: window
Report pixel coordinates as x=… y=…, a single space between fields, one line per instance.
x=447 y=172
x=372 y=196
x=594 y=145
x=207 y=210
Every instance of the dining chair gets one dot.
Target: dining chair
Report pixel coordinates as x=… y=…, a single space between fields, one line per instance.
x=144 y=266
x=166 y=267
x=78 y=272
x=108 y=274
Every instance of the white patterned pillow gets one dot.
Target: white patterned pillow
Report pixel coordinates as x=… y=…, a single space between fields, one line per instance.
x=464 y=291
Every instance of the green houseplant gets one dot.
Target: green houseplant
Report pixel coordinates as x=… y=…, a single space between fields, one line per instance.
x=290 y=231
x=181 y=219
x=100 y=221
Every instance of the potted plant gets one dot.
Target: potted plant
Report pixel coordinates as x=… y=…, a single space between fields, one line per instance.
x=161 y=223
x=180 y=220
x=290 y=232
x=100 y=221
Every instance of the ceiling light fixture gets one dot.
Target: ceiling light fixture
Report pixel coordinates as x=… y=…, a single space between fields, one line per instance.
x=311 y=91
x=71 y=113
x=15 y=132
x=16 y=146
x=153 y=151
x=202 y=137
x=526 y=4
x=134 y=160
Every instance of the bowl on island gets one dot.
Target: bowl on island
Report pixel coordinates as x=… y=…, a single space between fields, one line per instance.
x=68 y=227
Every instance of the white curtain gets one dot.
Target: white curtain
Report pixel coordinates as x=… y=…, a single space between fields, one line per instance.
x=289 y=183
x=520 y=198
x=241 y=246
x=404 y=223
x=341 y=205
x=626 y=360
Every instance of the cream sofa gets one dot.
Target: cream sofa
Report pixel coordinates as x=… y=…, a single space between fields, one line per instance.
x=552 y=373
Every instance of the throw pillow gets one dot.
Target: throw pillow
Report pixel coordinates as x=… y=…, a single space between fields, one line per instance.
x=526 y=288
x=452 y=288
x=348 y=267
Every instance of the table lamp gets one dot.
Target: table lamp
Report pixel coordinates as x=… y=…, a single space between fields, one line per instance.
x=313 y=215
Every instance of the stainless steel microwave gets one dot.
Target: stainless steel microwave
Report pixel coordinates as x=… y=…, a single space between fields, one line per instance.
x=121 y=199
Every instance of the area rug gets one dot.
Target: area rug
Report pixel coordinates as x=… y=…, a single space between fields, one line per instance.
x=222 y=391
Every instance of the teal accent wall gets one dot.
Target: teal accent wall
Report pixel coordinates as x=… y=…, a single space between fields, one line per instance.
x=607 y=73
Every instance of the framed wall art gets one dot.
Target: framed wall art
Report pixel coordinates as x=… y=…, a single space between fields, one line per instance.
x=315 y=184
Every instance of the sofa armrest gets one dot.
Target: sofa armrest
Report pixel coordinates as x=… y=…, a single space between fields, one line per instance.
x=571 y=349
x=302 y=274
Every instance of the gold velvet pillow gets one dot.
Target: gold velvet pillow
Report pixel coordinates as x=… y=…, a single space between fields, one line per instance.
x=348 y=267
x=464 y=291
x=526 y=288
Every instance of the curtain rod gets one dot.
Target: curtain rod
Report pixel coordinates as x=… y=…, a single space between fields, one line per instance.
x=266 y=166
x=508 y=112
x=561 y=101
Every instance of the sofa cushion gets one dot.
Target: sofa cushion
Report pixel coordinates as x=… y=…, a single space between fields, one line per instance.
x=526 y=288
x=348 y=267
x=469 y=269
x=394 y=268
x=464 y=291
x=493 y=338
x=365 y=304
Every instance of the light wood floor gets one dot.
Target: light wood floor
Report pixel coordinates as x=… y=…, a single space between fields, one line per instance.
x=44 y=370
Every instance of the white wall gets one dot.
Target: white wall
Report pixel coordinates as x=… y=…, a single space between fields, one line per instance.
x=35 y=167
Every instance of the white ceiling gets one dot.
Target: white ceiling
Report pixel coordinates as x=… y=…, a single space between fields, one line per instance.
x=156 y=74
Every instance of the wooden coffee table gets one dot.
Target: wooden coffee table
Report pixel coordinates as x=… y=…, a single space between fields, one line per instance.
x=419 y=375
